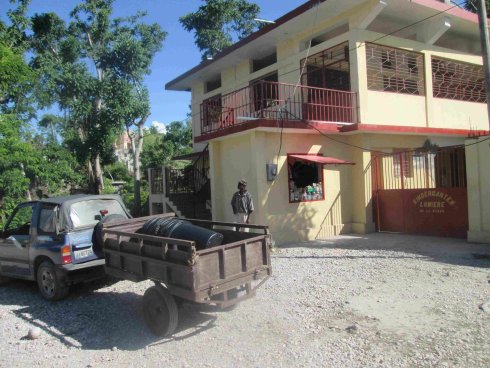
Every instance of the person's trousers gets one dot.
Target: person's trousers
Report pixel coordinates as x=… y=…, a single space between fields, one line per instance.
x=241 y=218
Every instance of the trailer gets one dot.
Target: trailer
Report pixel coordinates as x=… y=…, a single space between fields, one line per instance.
x=223 y=275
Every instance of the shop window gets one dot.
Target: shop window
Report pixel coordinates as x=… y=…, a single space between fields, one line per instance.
x=394 y=70
x=305 y=180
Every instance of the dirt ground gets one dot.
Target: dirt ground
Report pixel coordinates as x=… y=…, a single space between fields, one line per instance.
x=380 y=300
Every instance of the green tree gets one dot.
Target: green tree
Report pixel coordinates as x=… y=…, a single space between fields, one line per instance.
x=473 y=6
x=93 y=68
x=219 y=23
x=15 y=154
x=176 y=141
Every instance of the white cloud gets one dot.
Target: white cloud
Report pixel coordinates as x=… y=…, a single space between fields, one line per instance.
x=161 y=128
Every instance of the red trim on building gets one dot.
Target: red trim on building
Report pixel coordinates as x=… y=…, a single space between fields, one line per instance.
x=263 y=123
x=403 y=129
x=332 y=128
x=456 y=11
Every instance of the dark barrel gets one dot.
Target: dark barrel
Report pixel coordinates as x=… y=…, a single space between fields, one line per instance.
x=182 y=229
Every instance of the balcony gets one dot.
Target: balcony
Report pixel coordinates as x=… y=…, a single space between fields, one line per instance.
x=265 y=100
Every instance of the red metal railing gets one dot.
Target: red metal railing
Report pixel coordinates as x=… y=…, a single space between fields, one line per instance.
x=277 y=101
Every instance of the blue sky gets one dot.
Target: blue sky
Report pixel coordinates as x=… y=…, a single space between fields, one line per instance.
x=178 y=54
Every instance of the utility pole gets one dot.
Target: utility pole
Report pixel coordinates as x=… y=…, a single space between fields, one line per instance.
x=482 y=20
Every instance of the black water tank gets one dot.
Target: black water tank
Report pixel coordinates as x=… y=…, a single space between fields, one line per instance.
x=181 y=229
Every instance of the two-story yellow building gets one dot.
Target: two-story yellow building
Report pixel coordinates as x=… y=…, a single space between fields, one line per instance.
x=344 y=116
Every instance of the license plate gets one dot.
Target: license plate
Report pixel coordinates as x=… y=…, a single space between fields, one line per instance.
x=83 y=253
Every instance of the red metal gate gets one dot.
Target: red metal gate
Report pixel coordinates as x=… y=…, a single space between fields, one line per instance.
x=421 y=192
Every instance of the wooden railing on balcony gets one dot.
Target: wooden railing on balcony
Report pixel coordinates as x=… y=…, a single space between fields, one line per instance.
x=277 y=101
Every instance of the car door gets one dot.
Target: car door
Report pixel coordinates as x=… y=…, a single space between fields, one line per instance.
x=14 y=244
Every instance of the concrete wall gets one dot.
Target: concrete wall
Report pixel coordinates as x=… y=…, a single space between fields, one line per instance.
x=478 y=176
x=347 y=206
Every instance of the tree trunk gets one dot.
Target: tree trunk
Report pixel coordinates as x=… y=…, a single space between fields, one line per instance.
x=136 y=147
x=97 y=175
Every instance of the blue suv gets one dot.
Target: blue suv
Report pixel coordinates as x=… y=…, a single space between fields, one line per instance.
x=57 y=241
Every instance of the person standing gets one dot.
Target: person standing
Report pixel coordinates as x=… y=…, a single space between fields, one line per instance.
x=242 y=204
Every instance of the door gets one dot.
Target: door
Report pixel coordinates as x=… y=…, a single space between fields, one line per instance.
x=14 y=244
x=421 y=192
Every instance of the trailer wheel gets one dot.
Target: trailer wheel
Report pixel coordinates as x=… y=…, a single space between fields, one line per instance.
x=160 y=311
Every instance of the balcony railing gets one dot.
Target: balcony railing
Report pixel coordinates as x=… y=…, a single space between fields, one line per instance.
x=278 y=101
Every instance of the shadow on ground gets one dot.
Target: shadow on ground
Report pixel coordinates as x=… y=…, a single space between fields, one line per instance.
x=97 y=319
x=437 y=249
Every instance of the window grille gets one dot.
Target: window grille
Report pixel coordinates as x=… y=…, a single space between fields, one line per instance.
x=328 y=68
x=394 y=70
x=458 y=81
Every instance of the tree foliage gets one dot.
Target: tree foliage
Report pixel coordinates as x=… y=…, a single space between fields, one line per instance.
x=93 y=68
x=176 y=141
x=473 y=6
x=219 y=23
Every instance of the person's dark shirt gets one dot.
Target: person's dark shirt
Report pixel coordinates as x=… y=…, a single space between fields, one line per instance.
x=242 y=203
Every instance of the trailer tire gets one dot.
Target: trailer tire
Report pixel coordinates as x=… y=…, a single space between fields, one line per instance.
x=160 y=311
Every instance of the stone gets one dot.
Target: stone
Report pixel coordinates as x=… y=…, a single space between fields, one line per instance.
x=34 y=333
x=485 y=307
x=352 y=329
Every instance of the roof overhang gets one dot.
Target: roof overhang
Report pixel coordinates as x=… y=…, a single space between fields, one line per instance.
x=323 y=160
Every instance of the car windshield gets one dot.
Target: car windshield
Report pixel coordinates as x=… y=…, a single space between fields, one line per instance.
x=88 y=213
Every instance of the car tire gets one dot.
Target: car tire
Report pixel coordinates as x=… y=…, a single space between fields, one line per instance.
x=160 y=311
x=50 y=286
x=98 y=238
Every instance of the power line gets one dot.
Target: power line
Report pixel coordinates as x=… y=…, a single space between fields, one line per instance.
x=457 y=5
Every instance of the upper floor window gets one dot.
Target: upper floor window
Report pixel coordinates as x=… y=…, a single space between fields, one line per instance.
x=265 y=92
x=328 y=68
x=213 y=84
x=458 y=81
x=394 y=70
x=258 y=64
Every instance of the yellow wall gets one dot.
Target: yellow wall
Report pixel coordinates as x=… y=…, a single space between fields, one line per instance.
x=478 y=176
x=347 y=206
x=459 y=114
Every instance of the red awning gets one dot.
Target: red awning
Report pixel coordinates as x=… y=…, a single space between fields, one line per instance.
x=323 y=160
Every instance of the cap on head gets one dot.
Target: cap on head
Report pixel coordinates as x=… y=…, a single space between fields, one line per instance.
x=242 y=182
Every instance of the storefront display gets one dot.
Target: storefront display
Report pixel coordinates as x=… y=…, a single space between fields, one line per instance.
x=305 y=180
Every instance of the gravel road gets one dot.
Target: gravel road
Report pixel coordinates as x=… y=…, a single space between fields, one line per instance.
x=379 y=300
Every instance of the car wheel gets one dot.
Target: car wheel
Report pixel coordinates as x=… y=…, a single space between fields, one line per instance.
x=50 y=286
x=160 y=311
x=97 y=238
